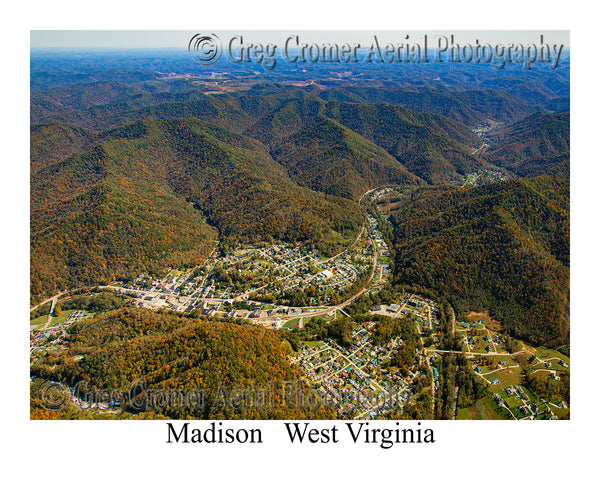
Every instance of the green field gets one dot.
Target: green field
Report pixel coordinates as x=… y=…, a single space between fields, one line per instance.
x=310 y=344
x=61 y=318
x=488 y=410
x=509 y=376
x=39 y=320
x=463 y=414
x=293 y=323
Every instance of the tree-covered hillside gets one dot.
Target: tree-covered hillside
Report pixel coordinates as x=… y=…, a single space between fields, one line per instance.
x=139 y=197
x=138 y=351
x=502 y=247
x=537 y=145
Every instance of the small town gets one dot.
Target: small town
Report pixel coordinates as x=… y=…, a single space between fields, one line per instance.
x=276 y=285
x=354 y=377
x=285 y=286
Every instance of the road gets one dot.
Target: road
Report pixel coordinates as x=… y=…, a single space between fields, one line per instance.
x=424 y=350
x=490 y=354
x=455 y=403
x=478 y=150
x=54 y=299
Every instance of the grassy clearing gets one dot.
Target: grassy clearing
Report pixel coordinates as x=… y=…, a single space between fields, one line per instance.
x=488 y=410
x=474 y=317
x=39 y=320
x=467 y=414
x=507 y=377
x=293 y=323
x=543 y=353
x=61 y=318
x=312 y=343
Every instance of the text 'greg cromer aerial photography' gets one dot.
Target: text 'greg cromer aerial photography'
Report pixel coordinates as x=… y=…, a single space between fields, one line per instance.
x=303 y=225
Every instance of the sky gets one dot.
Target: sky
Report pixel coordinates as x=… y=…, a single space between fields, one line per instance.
x=179 y=38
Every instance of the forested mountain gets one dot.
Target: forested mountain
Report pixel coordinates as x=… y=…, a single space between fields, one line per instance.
x=471 y=107
x=222 y=111
x=537 y=145
x=502 y=247
x=51 y=143
x=385 y=124
x=429 y=146
x=137 y=172
x=327 y=157
x=138 y=197
x=91 y=222
x=245 y=193
x=99 y=105
x=137 y=348
x=87 y=95
x=42 y=110
x=285 y=120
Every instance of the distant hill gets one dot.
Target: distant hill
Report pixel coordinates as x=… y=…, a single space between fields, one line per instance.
x=471 y=107
x=42 y=109
x=559 y=105
x=427 y=145
x=537 y=145
x=79 y=104
x=223 y=111
x=427 y=142
x=87 y=95
x=51 y=143
x=502 y=247
x=327 y=157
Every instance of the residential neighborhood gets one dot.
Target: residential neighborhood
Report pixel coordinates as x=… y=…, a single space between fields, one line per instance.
x=267 y=284
x=355 y=377
x=286 y=286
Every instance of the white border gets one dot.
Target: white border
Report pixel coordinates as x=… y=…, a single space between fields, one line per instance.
x=464 y=449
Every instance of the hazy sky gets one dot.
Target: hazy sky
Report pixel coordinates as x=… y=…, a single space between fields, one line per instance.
x=180 y=39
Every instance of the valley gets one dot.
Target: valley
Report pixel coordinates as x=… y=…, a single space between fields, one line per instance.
x=387 y=245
